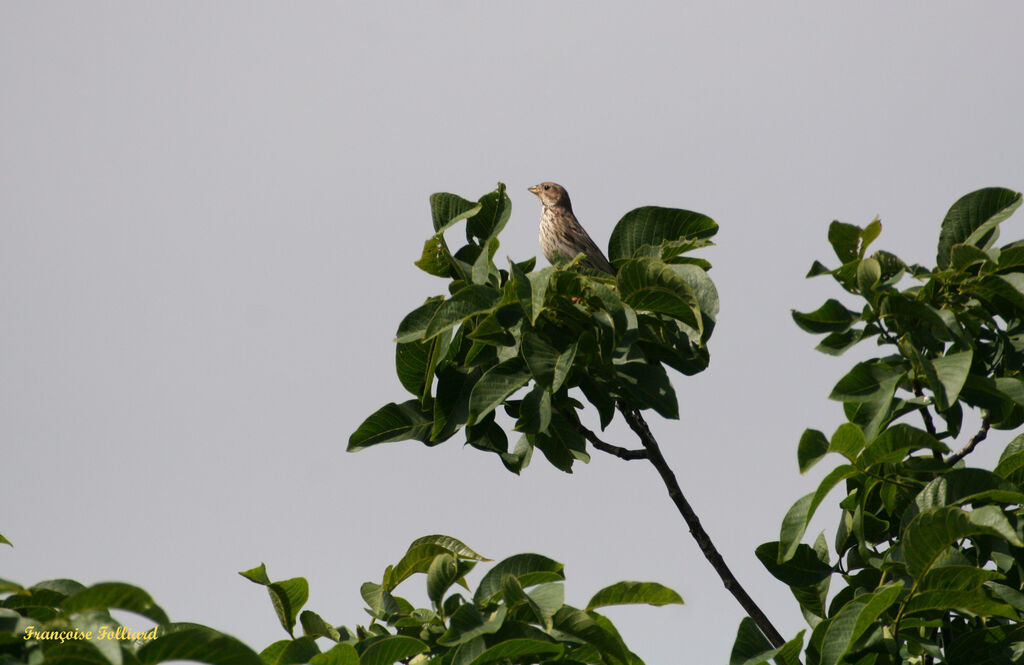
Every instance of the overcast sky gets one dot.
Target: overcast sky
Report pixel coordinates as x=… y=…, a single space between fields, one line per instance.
x=209 y=214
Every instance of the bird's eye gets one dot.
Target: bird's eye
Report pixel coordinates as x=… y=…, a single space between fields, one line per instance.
x=546 y=187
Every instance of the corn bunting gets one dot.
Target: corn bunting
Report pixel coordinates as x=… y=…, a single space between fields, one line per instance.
x=560 y=232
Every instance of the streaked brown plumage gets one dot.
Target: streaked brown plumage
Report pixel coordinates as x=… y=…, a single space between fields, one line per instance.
x=561 y=234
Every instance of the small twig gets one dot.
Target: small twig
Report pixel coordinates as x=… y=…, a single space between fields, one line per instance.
x=611 y=449
x=975 y=440
x=639 y=425
x=926 y=415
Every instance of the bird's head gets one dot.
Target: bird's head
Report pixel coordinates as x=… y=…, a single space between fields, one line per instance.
x=551 y=194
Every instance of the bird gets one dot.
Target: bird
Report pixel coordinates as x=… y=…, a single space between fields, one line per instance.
x=561 y=233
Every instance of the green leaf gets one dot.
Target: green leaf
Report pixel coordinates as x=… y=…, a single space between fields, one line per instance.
x=544 y=599
x=895 y=443
x=868 y=382
x=411 y=362
x=451 y=402
x=868 y=235
x=469 y=622
x=196 y=643
x=447 y=209
x=483 y=266
x=656 y=227
x=812 y=447
x=974 y=219
x=548 y=366
x=871 y=416
x=803 y=569
x=635 y=593
x=830 y=317
x=414 y=325
x=314 y=626
x=541 y=359
x=562 y=443
x=817 y=269
x=392 y=422
x=945 y=376
x=749 y=643
x=453 y=545
x=531 y=289
x=961 y=486
x=958 y=587
x=436 y=259
x=415 y=363
x=589 y=627
x=932 y=531
x=652 y=285
x=795 y=522
x=957 y=578
x=648 y=386
x=382 y=603
x=964 y=256
x=441 y=574
x=257 y=574
x=973 y=602
x=527 y=568
x=563 y=365
x=392 y=649
x=534 y=411
x=512 y=650
x=869 y=272
x=339 y=654
x=854 y=619
x=494 y=213
x=702 y=286
x=845 y=240
x=473 y=299
x=114 y=595
x=836 y=344
x=495 y=385
x=421 y=554
x=998 y=288
x=751 y=648
x=848 y=441
x=288 y=597
x=290 y=652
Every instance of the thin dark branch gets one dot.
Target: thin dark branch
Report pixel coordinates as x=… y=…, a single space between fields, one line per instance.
x=611 y=449
x=639 y=425
x=973 y=443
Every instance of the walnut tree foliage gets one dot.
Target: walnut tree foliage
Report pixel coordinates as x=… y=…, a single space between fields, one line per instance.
x=927 y=562
x=522 y=339
x=515 y=614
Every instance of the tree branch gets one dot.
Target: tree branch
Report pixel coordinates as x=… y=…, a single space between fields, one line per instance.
x=611 y=449
x=639 y=425
x=975 y=440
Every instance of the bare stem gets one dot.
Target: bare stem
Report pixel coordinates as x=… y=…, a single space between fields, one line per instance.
x=975 y=440
x=611 y=449
x=639 y=425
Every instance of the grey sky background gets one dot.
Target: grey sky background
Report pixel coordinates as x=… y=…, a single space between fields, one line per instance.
x=208 y=217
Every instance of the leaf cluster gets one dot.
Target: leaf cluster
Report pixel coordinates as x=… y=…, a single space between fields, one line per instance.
x=516 y=614
x=72 y=624
x=928 y=562
x=525 y=340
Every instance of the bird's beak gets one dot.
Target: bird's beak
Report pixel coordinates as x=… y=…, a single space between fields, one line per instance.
x=535 y=189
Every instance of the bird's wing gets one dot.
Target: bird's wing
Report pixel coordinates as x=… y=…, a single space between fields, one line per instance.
x=595 y=257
